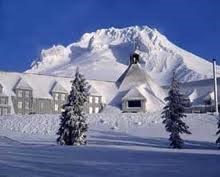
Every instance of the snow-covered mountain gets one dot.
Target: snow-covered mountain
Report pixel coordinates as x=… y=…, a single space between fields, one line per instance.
x=104 y=55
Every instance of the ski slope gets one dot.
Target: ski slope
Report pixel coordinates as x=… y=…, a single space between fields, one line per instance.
x=118 y=145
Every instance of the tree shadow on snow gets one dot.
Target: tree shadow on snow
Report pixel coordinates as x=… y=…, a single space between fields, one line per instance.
x=120 y=139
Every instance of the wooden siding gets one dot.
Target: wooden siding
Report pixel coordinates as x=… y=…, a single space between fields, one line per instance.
x=47 y=106
x=4 y=107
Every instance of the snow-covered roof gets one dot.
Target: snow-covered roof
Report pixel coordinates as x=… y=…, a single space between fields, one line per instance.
x=134 y=94
x=210 y=96
x=2 y=94
x=134 y=76
x=135 y=83
x=193 y=95
x=42 y=85
x=94 y=92
x=22 y=84
x=142 y=92
x=201 y=90
x=155 y=98
x=57 y=87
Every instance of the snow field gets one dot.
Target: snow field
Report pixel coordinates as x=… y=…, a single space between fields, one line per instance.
x=118 y=145
x=202 y=126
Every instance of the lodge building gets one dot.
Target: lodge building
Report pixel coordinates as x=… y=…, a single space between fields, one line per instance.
x=134 y=91
x=23 y=93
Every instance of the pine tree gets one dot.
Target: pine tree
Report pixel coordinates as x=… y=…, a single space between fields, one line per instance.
x=173 y=113
x=218 y=133
x=73 y=124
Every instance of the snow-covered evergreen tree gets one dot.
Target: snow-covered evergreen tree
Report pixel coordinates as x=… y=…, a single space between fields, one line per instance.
x=173 y=113
x=73 y=124
x=218 y=133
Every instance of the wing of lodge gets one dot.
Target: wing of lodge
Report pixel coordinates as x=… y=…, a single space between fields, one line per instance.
x=134 y=91
x=23 y=93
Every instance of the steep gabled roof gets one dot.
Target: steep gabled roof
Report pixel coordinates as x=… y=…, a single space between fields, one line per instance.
x=194 y=95
x=22 y=84
x=132 y=77
x=210 y=96
x=57 y=87
x=121 y=78
x=94 y=92
x=42 y=84
x=134 y=93
x=153 y=102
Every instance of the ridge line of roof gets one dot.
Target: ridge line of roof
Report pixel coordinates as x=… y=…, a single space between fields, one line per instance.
x=47 y=75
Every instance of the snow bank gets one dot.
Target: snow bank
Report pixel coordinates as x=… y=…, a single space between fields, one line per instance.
x=202 y=126
x=48 y=124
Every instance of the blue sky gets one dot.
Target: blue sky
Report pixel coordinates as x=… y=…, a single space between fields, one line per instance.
x=27 y=26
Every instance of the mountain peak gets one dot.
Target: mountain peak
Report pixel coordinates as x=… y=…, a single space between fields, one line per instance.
x=104 y=55
x=113 y=36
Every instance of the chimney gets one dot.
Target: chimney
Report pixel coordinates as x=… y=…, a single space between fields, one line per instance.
x=134 y=58
x=215 y=87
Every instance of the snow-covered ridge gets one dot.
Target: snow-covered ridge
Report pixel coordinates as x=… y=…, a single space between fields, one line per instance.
x=107 y=51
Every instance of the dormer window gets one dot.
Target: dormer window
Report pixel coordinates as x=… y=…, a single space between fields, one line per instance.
x=19 y=105
x=56 y=107
x=27 y=94
x=90 y=99
x=63 y=97
x=134 y=103
x=58 y=92
x=56 y=96
x=20 y=93
x=27 y=105
x=96 y=99
x=3 y=100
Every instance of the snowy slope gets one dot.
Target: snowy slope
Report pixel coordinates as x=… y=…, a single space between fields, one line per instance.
x=118 y=145
x=202 y=126
x=104 y=55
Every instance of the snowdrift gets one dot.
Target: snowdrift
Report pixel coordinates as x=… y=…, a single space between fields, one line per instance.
x=202 y=126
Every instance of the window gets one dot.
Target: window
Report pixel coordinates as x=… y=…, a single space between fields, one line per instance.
x=63 y=97
x=134 y=103
x=4 y=111
x=19 y=105
x=208 y=102
x=20 y=93
x=90 y=110
x=96 y=109
x=56 y=107
x=41 y=105
x=1 y=88
x=56 y=96
x=27 y=105
x=96 y=99
x=90 y=99
x=27 y=94
x=3 y=101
